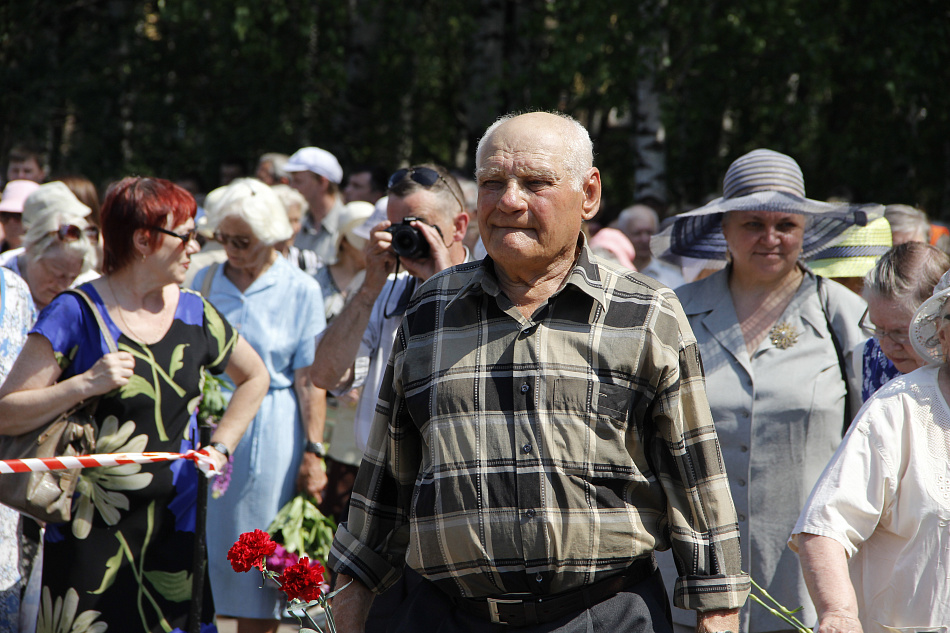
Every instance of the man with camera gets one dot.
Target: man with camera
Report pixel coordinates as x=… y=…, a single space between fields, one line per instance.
x=422 y=236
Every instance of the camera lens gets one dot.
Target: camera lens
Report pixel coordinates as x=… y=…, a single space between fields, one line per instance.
x=408 y=241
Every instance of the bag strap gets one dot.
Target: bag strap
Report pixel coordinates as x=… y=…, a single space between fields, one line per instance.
x=106 y=334
x=209 y=276
x=823 y=300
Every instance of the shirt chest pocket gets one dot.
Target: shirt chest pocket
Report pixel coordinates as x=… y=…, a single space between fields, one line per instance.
x=590 y=421
x=598 y=402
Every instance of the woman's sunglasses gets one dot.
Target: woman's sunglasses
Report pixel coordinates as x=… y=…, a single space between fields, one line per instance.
x=71 y=233
x=237 y=242
x=184 y=237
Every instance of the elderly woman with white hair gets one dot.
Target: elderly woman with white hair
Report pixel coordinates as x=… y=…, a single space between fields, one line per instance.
x=59 y=246
x=279 y=309
x=873 y=539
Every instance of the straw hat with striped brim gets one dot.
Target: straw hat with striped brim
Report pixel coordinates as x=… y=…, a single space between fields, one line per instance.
x=927 y=321
x=762 y=180
x=857 y=252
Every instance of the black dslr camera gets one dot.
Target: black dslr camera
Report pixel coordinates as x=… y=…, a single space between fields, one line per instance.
x=408 y=241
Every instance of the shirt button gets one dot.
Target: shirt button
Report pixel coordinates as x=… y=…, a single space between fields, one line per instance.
x=526 y=448
x=741 y=482
x=745 y=413
x=744 y=448
x=539 y=577
x=529 y=513
x=524 y=388
x=741 y=517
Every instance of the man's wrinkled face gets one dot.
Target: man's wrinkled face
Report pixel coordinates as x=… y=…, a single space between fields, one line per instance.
x=529 y=207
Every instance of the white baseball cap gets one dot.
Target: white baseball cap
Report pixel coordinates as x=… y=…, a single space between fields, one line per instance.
x=319 y=161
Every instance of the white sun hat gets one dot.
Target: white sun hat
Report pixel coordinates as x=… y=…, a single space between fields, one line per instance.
x=927 y=321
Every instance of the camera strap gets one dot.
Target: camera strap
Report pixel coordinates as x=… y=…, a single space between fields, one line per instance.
x=402 y=304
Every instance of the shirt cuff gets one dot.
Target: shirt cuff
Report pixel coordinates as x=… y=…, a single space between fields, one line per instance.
x=351 y=557
x=707 y=593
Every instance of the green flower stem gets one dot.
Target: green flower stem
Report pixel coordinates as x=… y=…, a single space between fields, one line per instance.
x=793 y=621
x=783 y=612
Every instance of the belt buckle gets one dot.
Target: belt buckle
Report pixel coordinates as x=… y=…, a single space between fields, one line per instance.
x=493 y=608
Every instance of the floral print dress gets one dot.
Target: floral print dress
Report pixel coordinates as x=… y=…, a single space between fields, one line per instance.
x=16 y=316
x=124 y=562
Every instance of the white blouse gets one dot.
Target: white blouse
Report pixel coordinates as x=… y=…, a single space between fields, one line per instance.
x=885 y=497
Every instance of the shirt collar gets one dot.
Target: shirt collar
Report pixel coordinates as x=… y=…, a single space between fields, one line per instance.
x=330 y=222
x=585 y=276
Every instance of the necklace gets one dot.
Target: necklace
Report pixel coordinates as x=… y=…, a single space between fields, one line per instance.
x=118 y=309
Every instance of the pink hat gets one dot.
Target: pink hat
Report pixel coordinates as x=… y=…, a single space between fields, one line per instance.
x=617 y=244
x=15 y=194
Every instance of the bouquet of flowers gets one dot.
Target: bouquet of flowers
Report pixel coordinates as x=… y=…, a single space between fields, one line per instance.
x=300 y=529
x=301 y=581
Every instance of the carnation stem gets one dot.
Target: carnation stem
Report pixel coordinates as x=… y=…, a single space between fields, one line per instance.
x=784 y=613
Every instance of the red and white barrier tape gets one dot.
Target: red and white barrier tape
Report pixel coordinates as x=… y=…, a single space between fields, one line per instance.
x=201 y=458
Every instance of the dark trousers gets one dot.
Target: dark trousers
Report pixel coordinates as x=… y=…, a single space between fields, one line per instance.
x=387 y=604
x=641 y=608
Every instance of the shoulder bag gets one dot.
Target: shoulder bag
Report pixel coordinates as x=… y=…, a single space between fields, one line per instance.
x=48 y=496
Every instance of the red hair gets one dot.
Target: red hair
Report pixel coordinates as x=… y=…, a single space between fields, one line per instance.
x=140 y=203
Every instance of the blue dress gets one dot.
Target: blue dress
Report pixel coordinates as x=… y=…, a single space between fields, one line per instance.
x=279 y=315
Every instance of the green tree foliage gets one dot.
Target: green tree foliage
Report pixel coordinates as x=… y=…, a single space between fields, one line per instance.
x=851 y=89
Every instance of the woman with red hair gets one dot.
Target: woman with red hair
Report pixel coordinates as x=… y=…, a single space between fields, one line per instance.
x=124 y=560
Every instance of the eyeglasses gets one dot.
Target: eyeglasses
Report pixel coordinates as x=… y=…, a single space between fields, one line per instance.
x=425 y=176
x=184 y=237
x=237 y=242
x=71 y=233
x=901 y=337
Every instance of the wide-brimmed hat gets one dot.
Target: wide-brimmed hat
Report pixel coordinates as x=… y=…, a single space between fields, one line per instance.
x=762 y=180
x=857 y=252
x=351 y=218
x=51 y=205
x=926 y=322
x=365 y=229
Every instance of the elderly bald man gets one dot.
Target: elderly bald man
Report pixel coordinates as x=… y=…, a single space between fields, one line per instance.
x=541 y=429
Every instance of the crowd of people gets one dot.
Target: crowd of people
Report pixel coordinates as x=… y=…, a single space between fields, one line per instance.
x=518 y=417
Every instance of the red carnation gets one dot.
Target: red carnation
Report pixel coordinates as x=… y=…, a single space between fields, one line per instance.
x=250 y=551
x=302 y=581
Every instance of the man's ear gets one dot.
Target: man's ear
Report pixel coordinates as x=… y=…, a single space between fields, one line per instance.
x=460 y=225
x=591 y=188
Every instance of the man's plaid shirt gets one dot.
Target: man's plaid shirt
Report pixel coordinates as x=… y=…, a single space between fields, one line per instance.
x=513 y=455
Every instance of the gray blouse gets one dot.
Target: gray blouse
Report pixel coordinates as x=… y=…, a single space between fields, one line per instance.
x=779 y=416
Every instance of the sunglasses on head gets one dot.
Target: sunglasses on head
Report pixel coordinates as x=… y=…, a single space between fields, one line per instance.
x=237 y=242
x=425 y=176
x=185 y=237
x=71 y=233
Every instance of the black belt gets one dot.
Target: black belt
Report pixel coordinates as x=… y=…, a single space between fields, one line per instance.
x=527 y=609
